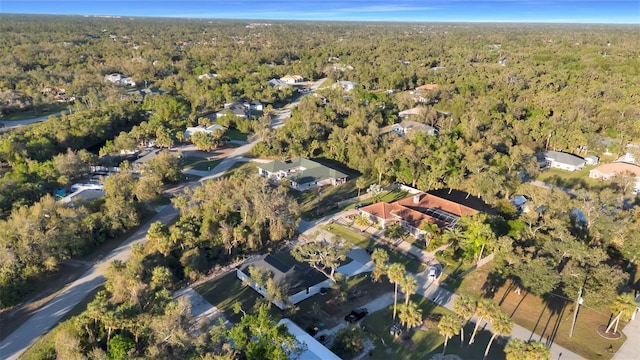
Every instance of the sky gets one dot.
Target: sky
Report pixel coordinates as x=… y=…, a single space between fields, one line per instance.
x=536 y=11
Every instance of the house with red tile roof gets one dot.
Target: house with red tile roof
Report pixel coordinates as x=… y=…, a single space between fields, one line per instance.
x=414 y=211
x=608 y=171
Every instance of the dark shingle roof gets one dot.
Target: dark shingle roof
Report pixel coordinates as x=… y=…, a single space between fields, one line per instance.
x=297 y=277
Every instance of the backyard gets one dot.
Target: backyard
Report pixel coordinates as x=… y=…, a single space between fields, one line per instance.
x=571 y=179
x=550 y=316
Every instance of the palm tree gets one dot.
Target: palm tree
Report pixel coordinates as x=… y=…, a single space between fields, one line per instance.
x=396 y=274
x=517 y=349
x=502 y=325
x=624 y=306
x=380 y=259
x=410 y=315
x=448 y=326
x=538 y=351
x=431 y=230
x=409 y=285
x=453 y=236
x=486 y=309
x=465 y=307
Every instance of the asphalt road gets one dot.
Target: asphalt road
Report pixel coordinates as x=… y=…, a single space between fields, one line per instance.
x=49 y=315
x=8 y=125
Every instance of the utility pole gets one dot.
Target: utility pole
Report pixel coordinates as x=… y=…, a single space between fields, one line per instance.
x=575 y=312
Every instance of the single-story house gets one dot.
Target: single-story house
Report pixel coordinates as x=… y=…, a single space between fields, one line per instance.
x=301 y=281
x=311 y=349
x=302 y=174
x=207 y=76
x=592 y=160
x=277 y=83
x=142 y=93
x=415 y=210
x=628 y=158
x=241 y=108
x=561 y=160
x=292 y=79
x=209 y=129
x=408 y=126
x=345 y=85
x=427 y=87
x=409 y=113
x=608 y=171
x=82 y=195
x=120 y=79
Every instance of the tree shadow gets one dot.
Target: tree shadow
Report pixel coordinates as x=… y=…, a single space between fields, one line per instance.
x=494 y=281
x=556 y=307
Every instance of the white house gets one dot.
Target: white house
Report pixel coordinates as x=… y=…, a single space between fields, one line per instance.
x=311 y=349
x=207 y=76
x=292 y=79
x=561 y=160
x=301 y=281
x=209 y=129
x=345 y=85
x=409 y=126
x=608 y=171
x=302 y=174
x=120 y=79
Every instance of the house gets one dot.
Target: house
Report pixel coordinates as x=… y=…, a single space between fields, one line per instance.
x=207 y=76
x=561 y=160
x=241 y=108
x=409 y=126
x=427 y=87
x=292 y=79
x=301 y=173
x=414 y=211
x=277 y=83
x=409 y=113
x=311 y=348
x=82 y=195
x=345 y=85
x=628 y=158
x=209 y=130
x=120 y=80
x=608 y=171
x=591 y=160
x=300 y=281
x=142 y=93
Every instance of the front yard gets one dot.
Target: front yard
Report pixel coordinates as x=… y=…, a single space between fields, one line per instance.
x=424 y=341
x=550 y=316
x=199 y=163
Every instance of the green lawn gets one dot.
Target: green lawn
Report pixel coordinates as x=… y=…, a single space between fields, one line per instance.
x=30 y=114
x=420 y=343
x=571 y=179
x=242 y=169
x=364 y=240
x=234 y=134
x=199 y=163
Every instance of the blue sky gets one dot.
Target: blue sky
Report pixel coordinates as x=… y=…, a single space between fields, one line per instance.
x=553 y=11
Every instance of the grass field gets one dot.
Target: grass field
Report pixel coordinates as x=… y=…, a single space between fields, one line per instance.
x=420 y=343
x=234 y=134
x=572 y=179
x=242 y=169
x=551 y=316
x=199 y=163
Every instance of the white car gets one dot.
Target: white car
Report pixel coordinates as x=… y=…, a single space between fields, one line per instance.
x=432 y=274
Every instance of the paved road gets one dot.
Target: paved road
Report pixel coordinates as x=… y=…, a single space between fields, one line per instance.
x=18 y=341
x=8 y=125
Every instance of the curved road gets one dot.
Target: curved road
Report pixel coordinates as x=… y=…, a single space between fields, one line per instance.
x=49 y=315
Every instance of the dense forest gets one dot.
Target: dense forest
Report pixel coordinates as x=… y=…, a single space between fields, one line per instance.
x=501 y=94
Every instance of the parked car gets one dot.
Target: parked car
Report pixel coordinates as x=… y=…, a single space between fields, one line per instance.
x=361 y=205
x=356 y=314
x=432 y=274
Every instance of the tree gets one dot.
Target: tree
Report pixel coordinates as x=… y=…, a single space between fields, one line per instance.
x=409 y=285
x=119 y=347
x=321 y=255
x=375 y=190
x=380 y=260
x=165 y=166
x=349 y=341
x=485 y=310
x=431 y=230
x=624 y=306
x=260 y=337
x=465 y=307
x=361 y=182
x=502 y=325
x=396 y=273
x=409 y=314
x=517 y=349
x=449 y=325
x=394 y=231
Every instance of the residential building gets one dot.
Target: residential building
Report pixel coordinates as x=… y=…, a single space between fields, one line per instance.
x=292 y=79
x=312 y=349
x=301 y=173
x=414 y=211
x=82 y=195
x=277 y=83
x=208 y=129
x=120 y=80
x=427 y=87
x=608 y=171
x=300 y=280
x=409 y=126
x=241 y=108
x=207 y=76
x=344 y=85
x=591 y=160
x=409 y=113
x=561 y=160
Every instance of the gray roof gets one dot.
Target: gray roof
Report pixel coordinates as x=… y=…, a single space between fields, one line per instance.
x=297 y=277
x=417 y=126
x=564 y=158
x=313 y=171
